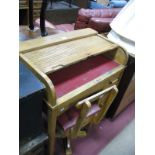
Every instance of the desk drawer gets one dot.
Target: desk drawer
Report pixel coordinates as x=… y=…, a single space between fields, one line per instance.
x=89 y=89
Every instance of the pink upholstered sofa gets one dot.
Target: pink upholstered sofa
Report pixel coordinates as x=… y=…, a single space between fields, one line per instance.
x=98 y=19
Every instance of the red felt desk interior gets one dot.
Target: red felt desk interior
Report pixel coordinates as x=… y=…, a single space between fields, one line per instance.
x=76 y=75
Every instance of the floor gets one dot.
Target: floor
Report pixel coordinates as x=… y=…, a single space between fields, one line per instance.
x=123 y=143
x=102 y=135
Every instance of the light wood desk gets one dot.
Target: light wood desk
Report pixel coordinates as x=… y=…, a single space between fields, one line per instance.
x=99 y=64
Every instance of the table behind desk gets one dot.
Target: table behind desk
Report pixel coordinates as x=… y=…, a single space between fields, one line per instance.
x=30 y=104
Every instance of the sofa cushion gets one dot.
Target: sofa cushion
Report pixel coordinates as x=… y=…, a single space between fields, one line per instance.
x=100 y=24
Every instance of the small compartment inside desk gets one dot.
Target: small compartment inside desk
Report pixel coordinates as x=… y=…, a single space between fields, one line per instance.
x=76 y=75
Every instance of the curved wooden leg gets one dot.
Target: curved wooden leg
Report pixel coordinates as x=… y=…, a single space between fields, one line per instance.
x=52 y=116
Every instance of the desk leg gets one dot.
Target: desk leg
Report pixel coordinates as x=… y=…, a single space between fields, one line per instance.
x=52 y=116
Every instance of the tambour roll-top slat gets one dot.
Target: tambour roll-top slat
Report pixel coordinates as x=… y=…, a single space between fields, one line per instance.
x=53 y=57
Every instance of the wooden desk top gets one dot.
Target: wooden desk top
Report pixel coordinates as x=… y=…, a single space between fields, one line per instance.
x=48 y=56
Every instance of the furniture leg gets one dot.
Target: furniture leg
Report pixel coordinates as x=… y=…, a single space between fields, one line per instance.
x=68 y=150
x=31 y=26
x=51 y=1
x=52 y=115
x=70 y=3
x=42 y=18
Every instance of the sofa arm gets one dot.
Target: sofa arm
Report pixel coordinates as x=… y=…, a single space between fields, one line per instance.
x=98 y=19
x=101 y=25
x=80 y=25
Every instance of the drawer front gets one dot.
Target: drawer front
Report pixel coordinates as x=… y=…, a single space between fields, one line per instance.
x=23 y=3
x=101 y=85
x=36 y=14
x=114 y=80
x=37 y=4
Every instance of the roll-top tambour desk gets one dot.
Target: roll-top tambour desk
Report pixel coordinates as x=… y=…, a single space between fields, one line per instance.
x=72 y=66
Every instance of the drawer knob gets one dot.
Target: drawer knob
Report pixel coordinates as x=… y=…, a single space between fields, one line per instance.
x=113 y=81
x=62 y=109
